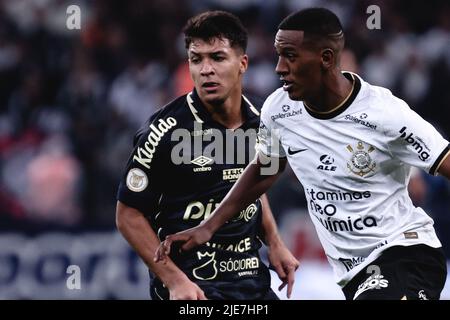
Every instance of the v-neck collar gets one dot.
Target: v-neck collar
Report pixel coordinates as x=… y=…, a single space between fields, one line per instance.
x=202 y=115
x=337 y=111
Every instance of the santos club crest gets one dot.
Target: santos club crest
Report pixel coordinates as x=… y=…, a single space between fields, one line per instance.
x=361 y=163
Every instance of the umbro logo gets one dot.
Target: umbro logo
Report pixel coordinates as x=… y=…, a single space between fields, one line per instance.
x=202 y=161
x=292 y=152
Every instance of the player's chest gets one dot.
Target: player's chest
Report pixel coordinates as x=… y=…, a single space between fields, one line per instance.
x=211 y=157
x=328 y=150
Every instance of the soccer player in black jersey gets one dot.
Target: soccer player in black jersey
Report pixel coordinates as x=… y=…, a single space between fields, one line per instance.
x=185 y=160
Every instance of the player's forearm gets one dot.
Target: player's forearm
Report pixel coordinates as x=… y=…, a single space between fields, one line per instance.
x=269 y=226
x=249 y=187
x=136 y=230
x=444 y=168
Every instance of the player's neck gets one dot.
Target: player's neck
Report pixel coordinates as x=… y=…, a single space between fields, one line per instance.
x=228 y=113
x=334 y=93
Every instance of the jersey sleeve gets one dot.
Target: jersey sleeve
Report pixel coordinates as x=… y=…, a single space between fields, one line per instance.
x=413 y=140
x=268 y=139
x=141 y=183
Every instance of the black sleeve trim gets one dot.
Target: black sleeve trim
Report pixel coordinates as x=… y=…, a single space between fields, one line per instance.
x=439 y=159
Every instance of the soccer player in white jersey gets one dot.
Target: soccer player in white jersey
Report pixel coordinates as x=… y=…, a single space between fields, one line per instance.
x=352 y=145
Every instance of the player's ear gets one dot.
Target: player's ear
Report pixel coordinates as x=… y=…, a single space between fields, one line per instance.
x=244 y=64
x=328 y=58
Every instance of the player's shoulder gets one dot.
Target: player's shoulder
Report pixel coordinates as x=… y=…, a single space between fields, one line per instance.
x=386 y=109
x=380 y=97
x=276 y=98
x=168 y=117
x=377 y=93
x=176 y=109
x=253 y=101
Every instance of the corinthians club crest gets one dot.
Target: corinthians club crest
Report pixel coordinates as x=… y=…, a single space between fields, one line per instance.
x=361 y=162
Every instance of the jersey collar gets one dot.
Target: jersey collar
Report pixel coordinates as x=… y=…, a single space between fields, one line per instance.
x=201 y=114
x=338 y=110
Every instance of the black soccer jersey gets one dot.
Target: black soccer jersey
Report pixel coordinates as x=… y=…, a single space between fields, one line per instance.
x=182 y=166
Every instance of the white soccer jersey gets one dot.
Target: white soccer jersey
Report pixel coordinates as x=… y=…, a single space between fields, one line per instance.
x=354 y=164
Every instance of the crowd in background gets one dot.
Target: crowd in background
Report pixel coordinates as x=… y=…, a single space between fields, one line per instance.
x=71 y=100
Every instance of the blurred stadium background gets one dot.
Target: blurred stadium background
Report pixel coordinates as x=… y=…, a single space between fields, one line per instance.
x=71 y=100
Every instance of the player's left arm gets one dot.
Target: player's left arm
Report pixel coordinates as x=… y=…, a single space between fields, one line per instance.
x=444 y=166
x=280 y=258
x=415 y=141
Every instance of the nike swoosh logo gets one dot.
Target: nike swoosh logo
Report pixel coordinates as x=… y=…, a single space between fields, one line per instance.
x=292 y=152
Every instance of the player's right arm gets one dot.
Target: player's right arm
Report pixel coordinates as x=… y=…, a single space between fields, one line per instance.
x=136 y=229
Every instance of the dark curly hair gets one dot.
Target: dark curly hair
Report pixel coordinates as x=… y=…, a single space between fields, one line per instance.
x=216 y=24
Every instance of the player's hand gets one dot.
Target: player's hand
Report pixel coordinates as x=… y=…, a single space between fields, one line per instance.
x=186 y=290
x=285 y=265
x=190 y=238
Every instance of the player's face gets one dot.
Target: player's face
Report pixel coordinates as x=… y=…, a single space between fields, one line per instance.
x=216 y=69
x=299 y=67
